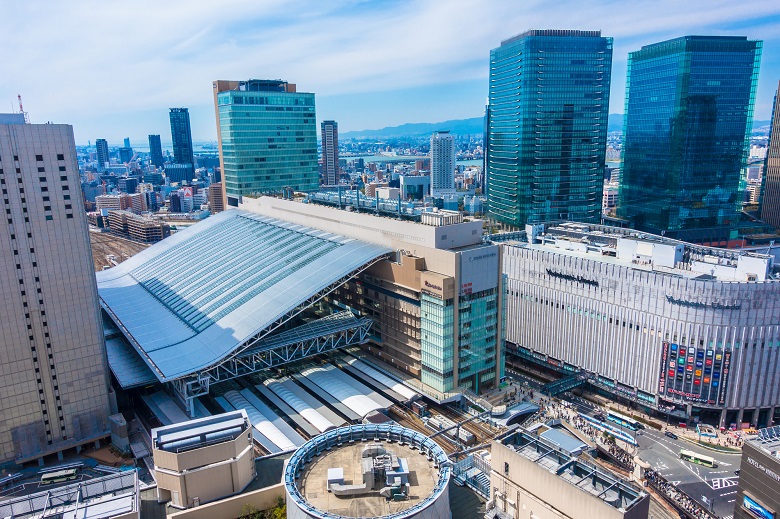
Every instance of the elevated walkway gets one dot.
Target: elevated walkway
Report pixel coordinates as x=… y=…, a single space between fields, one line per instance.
x=562 y=385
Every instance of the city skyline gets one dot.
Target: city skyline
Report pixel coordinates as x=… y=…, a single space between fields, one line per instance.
x=433 y=68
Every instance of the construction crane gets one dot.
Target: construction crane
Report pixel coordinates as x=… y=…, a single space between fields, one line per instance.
x=21 y=109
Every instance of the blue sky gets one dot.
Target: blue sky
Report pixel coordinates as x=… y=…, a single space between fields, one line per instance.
x=112 y=69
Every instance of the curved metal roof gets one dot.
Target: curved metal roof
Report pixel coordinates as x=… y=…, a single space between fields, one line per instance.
x=193 y=299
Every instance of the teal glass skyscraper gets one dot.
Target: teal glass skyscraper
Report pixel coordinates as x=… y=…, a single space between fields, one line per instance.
x=547 y=126
x=181 y=136
x=267 y=136
x=688 y=117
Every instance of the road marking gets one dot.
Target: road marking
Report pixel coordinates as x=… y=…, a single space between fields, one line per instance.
x=718 y=483
x=675 y=483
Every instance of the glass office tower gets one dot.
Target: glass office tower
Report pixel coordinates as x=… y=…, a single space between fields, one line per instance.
x=267 y=134
x=547 y=126
x=688 y=118
x=181 y=135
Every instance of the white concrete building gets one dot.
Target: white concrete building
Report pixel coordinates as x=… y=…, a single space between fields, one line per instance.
x=442 y=164
x=658 y=321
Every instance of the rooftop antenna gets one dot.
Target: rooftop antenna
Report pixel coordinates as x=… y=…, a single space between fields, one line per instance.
x=21 y=109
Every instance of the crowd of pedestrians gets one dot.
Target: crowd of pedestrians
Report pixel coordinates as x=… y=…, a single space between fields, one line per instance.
x=623 y=457
x=677 y=496
x=586 y=428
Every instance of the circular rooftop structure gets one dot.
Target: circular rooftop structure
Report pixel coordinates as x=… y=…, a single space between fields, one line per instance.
x=369 y=470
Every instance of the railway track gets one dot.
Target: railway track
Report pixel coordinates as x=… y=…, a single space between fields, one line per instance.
x=408 y=420
x=481 y=432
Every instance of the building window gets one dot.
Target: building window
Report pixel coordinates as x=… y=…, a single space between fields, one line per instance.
x=506 y=469
x=60 y=156
x=38 y=158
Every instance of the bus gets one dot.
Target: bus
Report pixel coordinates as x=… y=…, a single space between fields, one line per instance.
x=699 y=459
x=624 y=421
x=59 y=476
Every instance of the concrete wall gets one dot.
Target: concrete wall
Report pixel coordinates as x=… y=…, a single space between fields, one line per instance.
x=203 y=456
x=261 y=499
x=390 y=232
x=208 y=473
x=539 y=493
x=617 y=329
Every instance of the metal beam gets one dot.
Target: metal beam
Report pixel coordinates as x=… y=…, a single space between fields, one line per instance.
x=251 y=361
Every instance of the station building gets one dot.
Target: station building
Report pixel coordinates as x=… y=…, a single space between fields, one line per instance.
x=277 y=281
x=435 y=302
x=687 y=330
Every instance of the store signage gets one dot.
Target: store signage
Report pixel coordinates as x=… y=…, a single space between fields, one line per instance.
x=771 y=473
x=662 y=377
x=724 y=383
x=569 y=277
x=755 y=509
x=688 y=396
x=482 y=256
x=431 y=285
x=699 y=304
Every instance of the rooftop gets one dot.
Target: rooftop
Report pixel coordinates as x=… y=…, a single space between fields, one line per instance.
x=426 y=469
x=644 y=251
x=570 y=33
x=768 y=440
x=109 y=496
x=201 y=432
x=588 y=478
x=314 y=479
x=191 y=300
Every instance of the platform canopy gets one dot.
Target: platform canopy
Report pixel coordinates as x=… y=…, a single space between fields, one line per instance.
x=208 y=292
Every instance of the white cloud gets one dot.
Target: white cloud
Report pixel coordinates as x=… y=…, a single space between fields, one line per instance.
x=87 y=59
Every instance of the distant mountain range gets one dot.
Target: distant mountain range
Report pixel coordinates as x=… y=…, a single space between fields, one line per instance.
x=467 y=127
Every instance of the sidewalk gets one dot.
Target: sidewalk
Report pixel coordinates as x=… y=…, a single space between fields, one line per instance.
x=687 y=434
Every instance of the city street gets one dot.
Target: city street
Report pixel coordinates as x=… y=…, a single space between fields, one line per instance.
x=704 y=484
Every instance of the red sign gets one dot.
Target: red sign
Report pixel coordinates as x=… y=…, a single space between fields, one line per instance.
x=662 y=378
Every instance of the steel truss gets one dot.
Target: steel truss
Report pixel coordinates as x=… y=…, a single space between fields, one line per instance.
x=247 y=359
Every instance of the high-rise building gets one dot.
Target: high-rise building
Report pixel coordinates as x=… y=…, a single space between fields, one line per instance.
x=485 y=129
x=547 y=126
x=442 y=164
x=181 y=134
x=125 y=155
x=101 y=145
x=53 y=377
x=330 y=152
x=770 y=188
x=127 y=142
x=179 y=172
x=155 y=151
x=215 y=198
x=267 y=134
x=688 y=118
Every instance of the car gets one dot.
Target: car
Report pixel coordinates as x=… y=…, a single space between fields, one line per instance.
x=736 y=472
x=671 y=435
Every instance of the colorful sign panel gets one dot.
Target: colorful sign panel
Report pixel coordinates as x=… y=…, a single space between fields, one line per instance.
x=756 y=510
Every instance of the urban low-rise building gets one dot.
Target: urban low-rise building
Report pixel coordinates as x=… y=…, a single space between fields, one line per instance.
x=533 y=477
x=203 y=460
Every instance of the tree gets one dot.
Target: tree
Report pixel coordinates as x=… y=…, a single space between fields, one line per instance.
x=248 y=511
x=279 y=511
